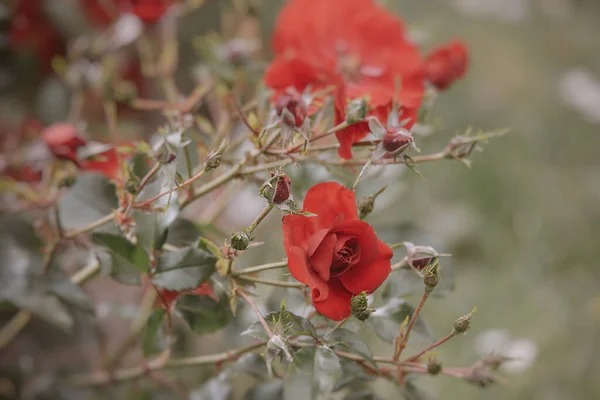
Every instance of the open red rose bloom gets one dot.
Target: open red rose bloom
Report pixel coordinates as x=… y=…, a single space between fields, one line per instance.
x=355 y=46
x=335 y=254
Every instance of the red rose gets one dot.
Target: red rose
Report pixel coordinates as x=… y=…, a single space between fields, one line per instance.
x=354 y=45
x=149 y=11
x=446 y=64
x=106 y=163
x=335 y=254
x=168 y=297
x=63 y=140
x=291 y=108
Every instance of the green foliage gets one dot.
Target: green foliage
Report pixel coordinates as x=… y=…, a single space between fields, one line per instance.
x=183 y=269
x=121 y=259
x=312 y=375
x=203 y=314
x=89 y=199
x=386 y=321
x=283 y=323
x=349 y=341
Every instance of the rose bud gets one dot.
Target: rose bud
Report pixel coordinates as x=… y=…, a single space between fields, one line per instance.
x=434 y=367
x=446 y=64
x=333 y=252
x=357 y=110
x=291 y=108
x=463 y=323
x=282 y=189
x=240 y=240
x=397 y=141
x=432 y=275
x=360 y=306
x=63 y=140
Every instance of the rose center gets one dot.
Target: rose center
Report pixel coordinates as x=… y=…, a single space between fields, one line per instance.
x=345 y=257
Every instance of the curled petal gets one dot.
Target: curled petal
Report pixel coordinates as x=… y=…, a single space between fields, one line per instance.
x=337 y=304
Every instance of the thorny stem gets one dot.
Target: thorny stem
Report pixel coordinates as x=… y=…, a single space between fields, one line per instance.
x=432 y=346
x=263 y=214
x=96 y=224
x=240 y=292
x=104 y=377
x=143 y=183
x=259 y=268
x=400 y=373
x=181 y=186
x=271 y=282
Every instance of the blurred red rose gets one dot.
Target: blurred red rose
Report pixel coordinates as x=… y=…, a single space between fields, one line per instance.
x=31 y=30
x=168 y=297
x=63 y=140
x=446 y=64
x=335 y=254
x=354 y=45
x=149 y=11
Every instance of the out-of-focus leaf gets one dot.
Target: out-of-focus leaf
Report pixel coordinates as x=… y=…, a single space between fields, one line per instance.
x=312 y=375
x=61 y=285
x=121 y=259
x=154 y=339
x=215 y=389
x=151 y=227
x=90 y=198
x=251 y=363
x=22 y=282
x=386 y=321
x=265 y=391
x=184 y=269
x=354 y=378
x=283 y=323
x=349 y=341
x=183 y=232
x=203 y=314
x=412 y=392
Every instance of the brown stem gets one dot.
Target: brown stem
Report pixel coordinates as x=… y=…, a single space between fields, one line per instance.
x=240 y=292
x=431 y=347
x=270 y=282
x=411 y=324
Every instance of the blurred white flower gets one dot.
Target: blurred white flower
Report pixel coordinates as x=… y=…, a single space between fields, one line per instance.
x=126 y=30
x=581 y=90
x=522 y=352
x=504 y=10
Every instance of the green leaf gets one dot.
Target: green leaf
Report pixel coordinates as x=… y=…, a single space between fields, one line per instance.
x=151 y=227
x=22 y=280
x=214 y=389
x=184 y=269
x=349 y=341
x=121 y=259
x=90 y=198
x=265 y=391
x=354 y=378
x=154 y=339
x=312 y=375
x=203 y=314
x=250 y=363
x=283 y=323
x=183 y=232
x=62 y=286
x=386 y=321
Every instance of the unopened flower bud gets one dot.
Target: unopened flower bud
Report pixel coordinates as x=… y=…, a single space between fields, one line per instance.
x=463 y=323
x=432 y=275
x=131 y=186
x=240 y=240
x=282 y=189
x=357 y=110
x=290 y=107
x=365 y=206
x=213 y=160
x=434 y=367
x=68 y=181
x=396 y=141
x=495 y=361
x=360 y=306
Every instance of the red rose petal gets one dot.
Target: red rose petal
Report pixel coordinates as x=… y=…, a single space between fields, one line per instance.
x=302 y=272
x=337 y=304
x=320 y=255
x=369 y=277
x=330 y=200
